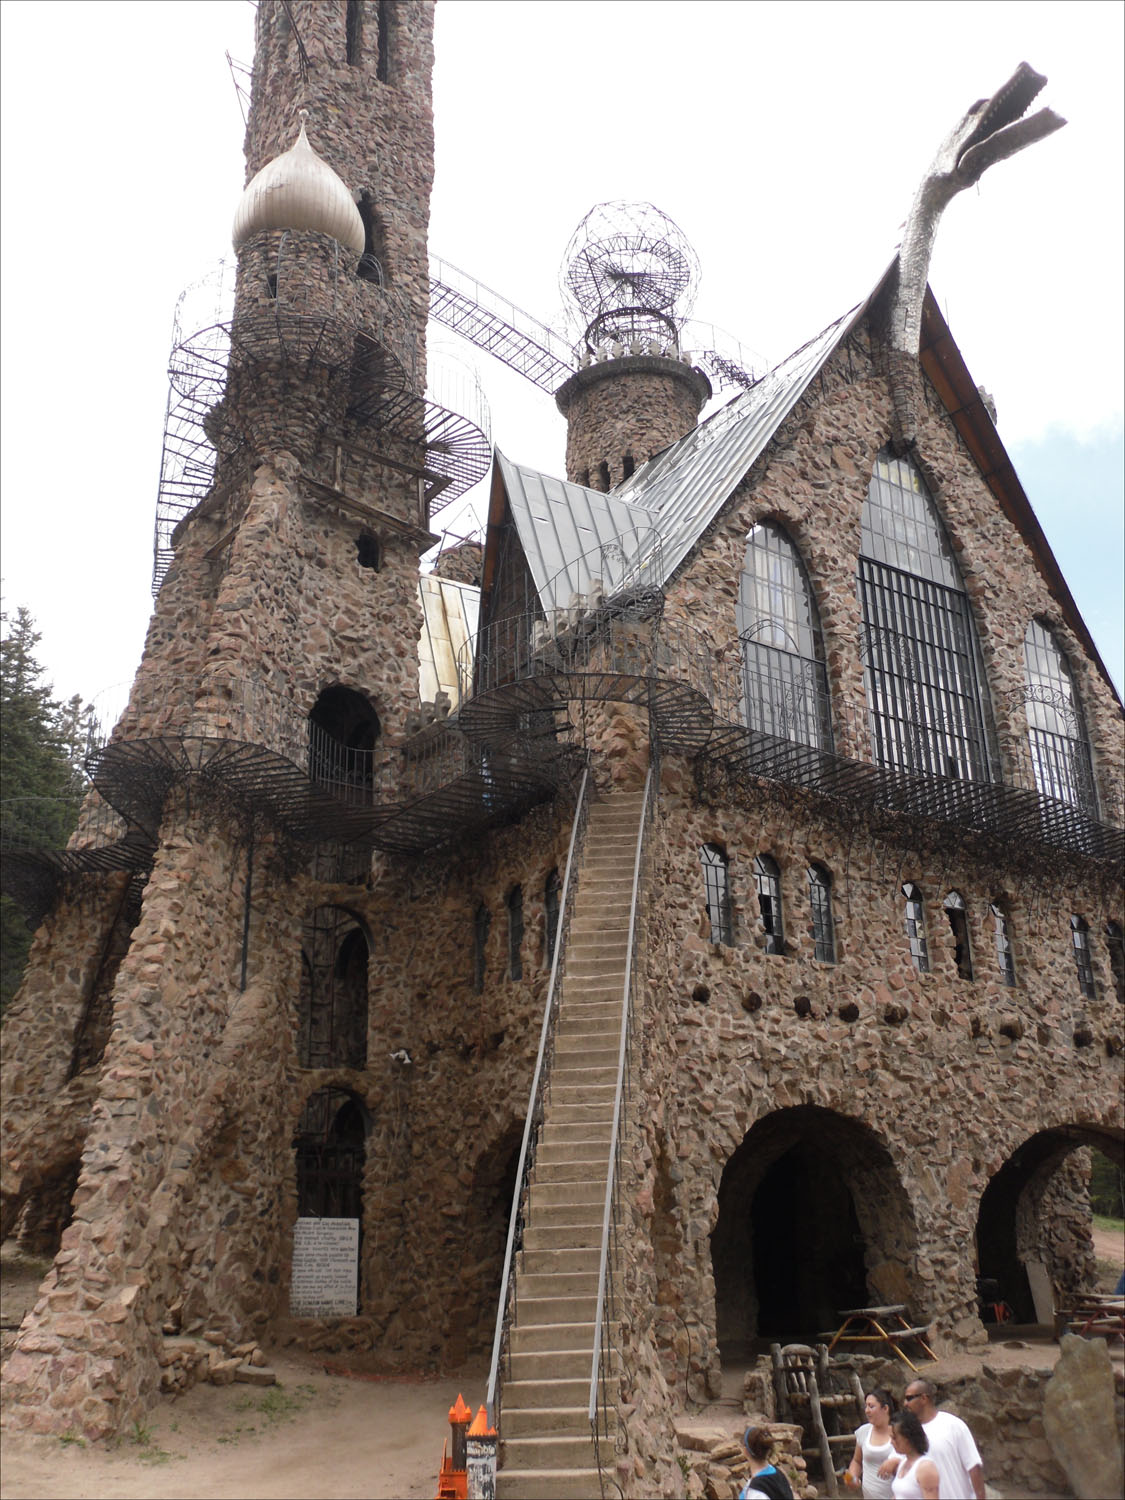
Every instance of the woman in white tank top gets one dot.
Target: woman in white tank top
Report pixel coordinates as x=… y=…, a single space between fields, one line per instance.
x=916 y=1477
x=873 y=1447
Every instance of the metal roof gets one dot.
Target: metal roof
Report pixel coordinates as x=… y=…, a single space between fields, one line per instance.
x=449 y=619
x=643 y=530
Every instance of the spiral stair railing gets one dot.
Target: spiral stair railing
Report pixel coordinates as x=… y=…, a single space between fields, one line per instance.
x=45 y=839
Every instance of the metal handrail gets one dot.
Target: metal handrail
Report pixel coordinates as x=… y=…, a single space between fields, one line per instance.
x=609 y=1217
x=506 y=1304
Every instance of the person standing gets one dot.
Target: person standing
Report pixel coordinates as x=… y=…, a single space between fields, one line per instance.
x=916 y=1477
x=873 y=1447
x=951 y=1445
x=766 y=1482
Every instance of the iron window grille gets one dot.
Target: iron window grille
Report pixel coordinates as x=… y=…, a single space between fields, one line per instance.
x=915 y=923
x=1060 y=749
x=330 y=1148
x=823 y=928
x=1080 y=937
x=716 y=885
x=954 y=905
x=551 y=893
x=332 y=1012
x=767 y=880
x=1005 y=959
x=921 y=663
x=515 y=932
x=784 y=684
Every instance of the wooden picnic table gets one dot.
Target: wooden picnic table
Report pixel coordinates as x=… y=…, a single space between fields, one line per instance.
x=887 y=1326
x=1093 y=1315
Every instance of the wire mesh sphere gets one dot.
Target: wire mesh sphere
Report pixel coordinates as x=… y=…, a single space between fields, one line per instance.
x=631 y=270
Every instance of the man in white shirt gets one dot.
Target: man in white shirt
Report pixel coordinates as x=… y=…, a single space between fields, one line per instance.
x=952 y=1449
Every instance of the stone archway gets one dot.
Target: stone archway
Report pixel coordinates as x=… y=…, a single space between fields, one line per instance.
x=813 y=1217
x=1036 y=1211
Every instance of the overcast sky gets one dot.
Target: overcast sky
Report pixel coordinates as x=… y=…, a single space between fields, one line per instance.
x=786 y=140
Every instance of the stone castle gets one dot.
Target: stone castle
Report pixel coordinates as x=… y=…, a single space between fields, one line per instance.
x=720 y=864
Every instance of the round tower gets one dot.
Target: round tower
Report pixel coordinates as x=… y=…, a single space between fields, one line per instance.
x=632 y=275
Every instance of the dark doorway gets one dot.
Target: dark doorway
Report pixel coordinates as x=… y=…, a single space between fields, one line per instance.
x=332 y=1011
x=813 y=1218
x=331 y=1139
x=343 y=729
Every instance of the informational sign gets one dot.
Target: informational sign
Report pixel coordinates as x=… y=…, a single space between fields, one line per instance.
x=325 y=1266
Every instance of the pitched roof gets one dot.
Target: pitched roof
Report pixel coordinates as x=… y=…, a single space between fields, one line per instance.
x=644 y=529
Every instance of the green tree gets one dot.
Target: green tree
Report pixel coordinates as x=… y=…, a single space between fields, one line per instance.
x=42 y=742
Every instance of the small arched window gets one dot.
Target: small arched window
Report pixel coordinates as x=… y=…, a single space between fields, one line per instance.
x=784 y=686
x=1060 y=749
x=767 y=881
x=1080 y=937
x=915 y=922
x=552 y=891
x=482 y=921
x=515 y=932
x=367 y=552
x=1005 y=959
x=958 y=918
x=716 y=890
x=921 y=664
x=343 y=729
x=820 y=901
x=330 y=1146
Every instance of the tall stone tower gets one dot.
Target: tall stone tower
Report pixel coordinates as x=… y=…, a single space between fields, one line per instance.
x=280 y=665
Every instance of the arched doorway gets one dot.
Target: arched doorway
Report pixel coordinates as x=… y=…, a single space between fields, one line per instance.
x=813 y=1218
x=343 y=729
x=1035 y=1212
x=332 y=1009
x=331 y=1149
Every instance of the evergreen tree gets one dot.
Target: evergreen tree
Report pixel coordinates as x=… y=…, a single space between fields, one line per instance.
x=42 y=742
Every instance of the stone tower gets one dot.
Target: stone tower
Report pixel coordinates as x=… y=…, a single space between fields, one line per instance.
x=280 y=665
x=632 y=276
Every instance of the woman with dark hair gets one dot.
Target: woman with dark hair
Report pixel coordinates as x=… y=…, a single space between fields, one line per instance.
x=916 y=1477
x=764 y=1479
x=873 y=1447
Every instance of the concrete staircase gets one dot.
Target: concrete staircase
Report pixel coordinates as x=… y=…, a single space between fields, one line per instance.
x=547 y=1452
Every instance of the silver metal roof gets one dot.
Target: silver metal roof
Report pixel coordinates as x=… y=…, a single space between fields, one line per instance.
x=449 y=619
x=644 y=529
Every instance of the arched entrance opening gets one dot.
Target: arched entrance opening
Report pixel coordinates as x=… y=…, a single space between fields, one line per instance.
x=813 y=1218
x=488 y=1210
x=331 y=1148
x=1033 y=1224
x=343 y=729
x=332 y=1007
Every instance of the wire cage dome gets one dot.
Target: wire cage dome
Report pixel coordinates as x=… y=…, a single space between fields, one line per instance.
x=632 y=273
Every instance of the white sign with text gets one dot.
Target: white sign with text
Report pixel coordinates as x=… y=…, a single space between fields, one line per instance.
x=325 y=1265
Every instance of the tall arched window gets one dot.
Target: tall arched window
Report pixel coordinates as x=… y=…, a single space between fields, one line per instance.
x=958 y=918
x=784 y=686
x=330 y=1144
x=915 y=922
x=716 y=889
x=820 y=900
x=343 y=729
x=1005 y=959
x=767 y=881
x=1080 y=937
x=1060 y=751
x=921 y=667
x=332 y=1012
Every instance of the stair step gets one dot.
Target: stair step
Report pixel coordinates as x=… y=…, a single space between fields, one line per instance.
x=579 y=1082
x=548 y=1484
x=547 y=1393
x=552 y=1196
x=540 y=1285
x=533 y=1311
x=560 y=1260
x=535 y=1422
x=563 y=1132
x=528 y=1337
x=597 y=1113
x=551 y=1365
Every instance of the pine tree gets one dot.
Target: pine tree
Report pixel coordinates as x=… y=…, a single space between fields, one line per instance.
x=42 y=742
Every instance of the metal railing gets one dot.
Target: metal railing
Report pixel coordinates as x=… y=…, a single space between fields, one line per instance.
x=507 y=1307
x=606 y=1309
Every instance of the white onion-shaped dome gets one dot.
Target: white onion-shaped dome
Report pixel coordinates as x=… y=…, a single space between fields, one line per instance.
x=299 y=190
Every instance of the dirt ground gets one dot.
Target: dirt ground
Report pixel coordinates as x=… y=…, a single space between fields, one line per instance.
x=312 y=1435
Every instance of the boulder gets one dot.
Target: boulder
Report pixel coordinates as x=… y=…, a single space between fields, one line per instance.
x=1078 y=1414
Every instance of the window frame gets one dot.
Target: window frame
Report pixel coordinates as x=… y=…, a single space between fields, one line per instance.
x=1083 y=956
x=767 y=887
x=716 y=892
x=914 y=922
x=823 y=928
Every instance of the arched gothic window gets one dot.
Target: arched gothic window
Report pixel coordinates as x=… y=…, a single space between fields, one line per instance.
x=716 y=888
x=767 y=881
x=784 y=686
x=331 y=1144
x=1060 y=750
x=921 y=668
x=343 y=730
x=958 y=917
x=1115 y=943
x=820 y=900
x=332 y=1012
x=915 y=922
x=1080 y=937
x=1005 y=960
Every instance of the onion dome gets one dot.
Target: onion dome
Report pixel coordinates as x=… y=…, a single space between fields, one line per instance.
x=299 y=190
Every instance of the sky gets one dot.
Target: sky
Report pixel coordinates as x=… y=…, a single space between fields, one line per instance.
x=785 y=139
